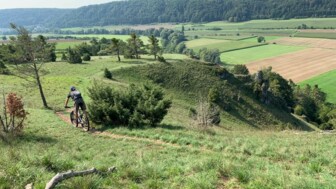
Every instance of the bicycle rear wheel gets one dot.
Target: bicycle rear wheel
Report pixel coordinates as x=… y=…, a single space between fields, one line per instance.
x=85 y=122
x=72 y=117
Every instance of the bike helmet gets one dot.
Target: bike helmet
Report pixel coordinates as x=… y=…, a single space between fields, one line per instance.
x=72 y=88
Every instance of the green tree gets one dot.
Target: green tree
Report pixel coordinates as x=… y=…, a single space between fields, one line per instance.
x=261 y=39
x=29 y=55
x=154 y=47
x=74 y=56
x=135 y=45
x=116 y=46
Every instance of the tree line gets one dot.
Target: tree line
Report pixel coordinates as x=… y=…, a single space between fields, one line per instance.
x=162 y=11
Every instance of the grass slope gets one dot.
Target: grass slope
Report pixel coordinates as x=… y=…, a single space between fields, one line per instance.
x=176 y=154
x=230 y=159
x=326 y=82
x=257 y=53
x=194 y=79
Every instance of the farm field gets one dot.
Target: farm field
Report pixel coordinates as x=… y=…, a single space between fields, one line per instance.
x=327 y=34
x=301 y=65
x=307 y=42
x=119 y=27
x=319 y=23
x=326 y=82
x=257 y=53
x=221 y=45
x=64 y=44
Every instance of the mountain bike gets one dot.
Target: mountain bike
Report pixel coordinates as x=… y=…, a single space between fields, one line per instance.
x=83 y=119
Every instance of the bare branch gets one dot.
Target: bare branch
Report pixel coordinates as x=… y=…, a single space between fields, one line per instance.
x=63 y=176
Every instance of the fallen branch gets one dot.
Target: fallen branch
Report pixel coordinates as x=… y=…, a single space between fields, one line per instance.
x=63 y=176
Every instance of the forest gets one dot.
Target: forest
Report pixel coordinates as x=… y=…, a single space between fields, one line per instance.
x=162 y=11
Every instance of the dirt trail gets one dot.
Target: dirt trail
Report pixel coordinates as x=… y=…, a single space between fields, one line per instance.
x=66 y=119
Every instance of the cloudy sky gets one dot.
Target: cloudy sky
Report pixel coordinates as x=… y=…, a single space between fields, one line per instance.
x=6 y=4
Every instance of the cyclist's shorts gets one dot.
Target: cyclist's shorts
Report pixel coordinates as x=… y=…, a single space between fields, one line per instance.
x=79 y=103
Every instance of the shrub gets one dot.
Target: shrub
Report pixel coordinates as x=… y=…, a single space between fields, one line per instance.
x=107 y=73
x=299 y=110
x=74 y=56
x=240 y=70
x=64 y=57
x=161 y=59
x=86 y=57
x=207 y=114
x=13 y=116
x=261 y=39
x=135 y=107
x=3 y=68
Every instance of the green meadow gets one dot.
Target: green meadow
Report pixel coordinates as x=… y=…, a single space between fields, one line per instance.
x=221 y=45
x=257 y=53
x=326 y=82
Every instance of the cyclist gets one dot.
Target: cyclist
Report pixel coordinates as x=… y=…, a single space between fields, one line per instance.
x=79 y=102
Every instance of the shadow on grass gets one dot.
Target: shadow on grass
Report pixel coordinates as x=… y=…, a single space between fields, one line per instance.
x=30 y=137
x=162 y=126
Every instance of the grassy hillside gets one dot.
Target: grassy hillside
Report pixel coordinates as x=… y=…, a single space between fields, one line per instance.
x=192 y=80
x=176 y=154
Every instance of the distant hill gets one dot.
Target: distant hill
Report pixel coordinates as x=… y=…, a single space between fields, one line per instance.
x=30 y=17
x=153 y=11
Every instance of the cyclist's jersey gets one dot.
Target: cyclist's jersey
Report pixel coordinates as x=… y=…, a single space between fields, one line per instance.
x=75 y=95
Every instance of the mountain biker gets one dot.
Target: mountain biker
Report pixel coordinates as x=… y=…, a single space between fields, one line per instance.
x=76 y=96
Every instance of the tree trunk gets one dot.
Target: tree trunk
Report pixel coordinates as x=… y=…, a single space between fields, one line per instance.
x=38 y=81
x=118 y=55
x=155 y=56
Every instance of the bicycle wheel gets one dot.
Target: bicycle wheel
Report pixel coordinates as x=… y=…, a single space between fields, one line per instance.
x=72 y=117
x=85 y=122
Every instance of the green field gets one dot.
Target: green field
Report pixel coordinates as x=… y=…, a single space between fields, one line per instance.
x=176 y=154
x=66 y=44
x=317 y=34
x=221 y=45
x=326 y=82
x=268 y=24
x=257 y=53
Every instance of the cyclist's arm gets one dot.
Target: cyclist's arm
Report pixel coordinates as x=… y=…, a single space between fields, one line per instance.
x=67 y=101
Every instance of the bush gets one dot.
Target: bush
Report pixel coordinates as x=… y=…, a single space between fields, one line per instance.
x=74 y=56
x=135 y=107
x=240 y=70
x=161 y=59
x=64 y=57
x=13 y=117
x=86 y=57
x=3 y=68
x=299 y=110
x=107 y=73
x=261 y=39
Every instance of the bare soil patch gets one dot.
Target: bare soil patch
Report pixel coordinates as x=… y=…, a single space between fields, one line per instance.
x=301 y=65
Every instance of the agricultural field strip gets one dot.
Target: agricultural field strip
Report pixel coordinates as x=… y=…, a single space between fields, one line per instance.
x=257 y=53
x=278 y=60
x=204 y=42
x=301 y=65
x=318 y=43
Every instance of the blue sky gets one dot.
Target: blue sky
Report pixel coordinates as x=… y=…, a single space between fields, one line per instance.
x=6 y=4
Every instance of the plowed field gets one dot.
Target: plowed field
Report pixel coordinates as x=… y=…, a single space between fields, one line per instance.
x=301 y=65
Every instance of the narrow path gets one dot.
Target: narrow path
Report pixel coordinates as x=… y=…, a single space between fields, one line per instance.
x=66 y=119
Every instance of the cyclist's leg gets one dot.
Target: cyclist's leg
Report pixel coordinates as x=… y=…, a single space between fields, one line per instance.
x=83 y=107
x=76 y=113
